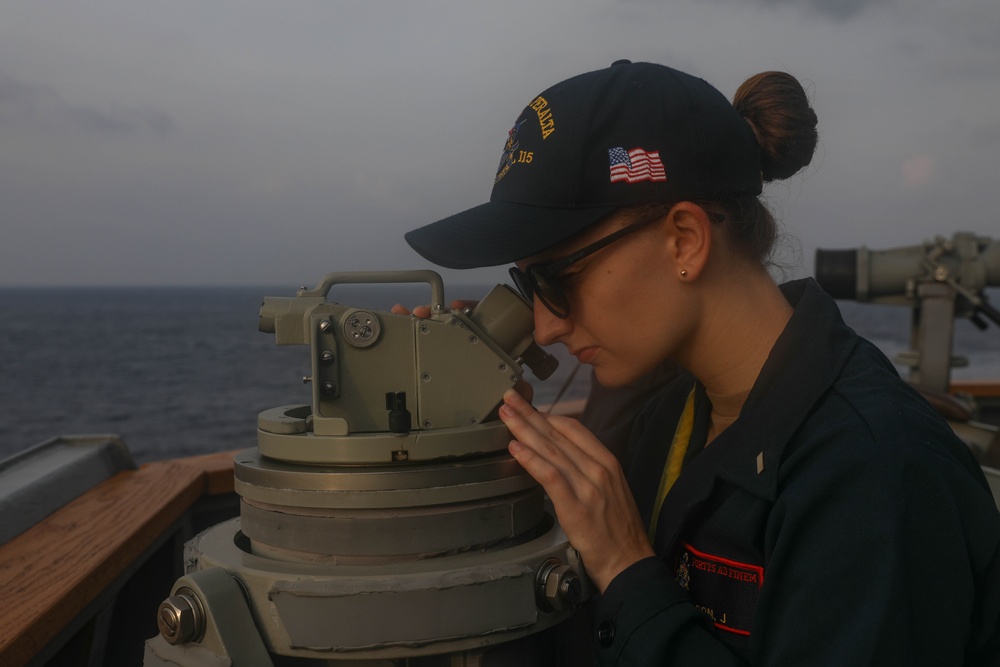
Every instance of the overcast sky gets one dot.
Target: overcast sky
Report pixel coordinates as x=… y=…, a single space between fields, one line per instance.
x=268 y=143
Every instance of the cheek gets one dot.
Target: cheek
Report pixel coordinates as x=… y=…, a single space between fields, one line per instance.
x=612 y=303
x=634 y=317
x=634 y=282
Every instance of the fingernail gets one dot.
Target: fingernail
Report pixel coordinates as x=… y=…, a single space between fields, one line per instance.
x=515 y=448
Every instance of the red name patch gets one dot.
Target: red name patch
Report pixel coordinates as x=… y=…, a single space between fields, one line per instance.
x=725 y=589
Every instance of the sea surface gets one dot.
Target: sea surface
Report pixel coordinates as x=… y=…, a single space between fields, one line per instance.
x=179 y=371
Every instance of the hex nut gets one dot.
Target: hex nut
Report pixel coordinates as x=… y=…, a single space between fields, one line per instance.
x=558 y=586
x=180 y=618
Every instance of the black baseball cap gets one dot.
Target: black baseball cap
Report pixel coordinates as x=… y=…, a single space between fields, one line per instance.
x=626 y=135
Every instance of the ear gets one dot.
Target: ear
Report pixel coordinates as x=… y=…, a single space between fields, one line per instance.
x=692 y=238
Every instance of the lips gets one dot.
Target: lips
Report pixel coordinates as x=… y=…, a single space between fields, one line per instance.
x=584 y=355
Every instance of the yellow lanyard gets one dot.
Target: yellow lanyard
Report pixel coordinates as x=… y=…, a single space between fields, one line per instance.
x=675 y=461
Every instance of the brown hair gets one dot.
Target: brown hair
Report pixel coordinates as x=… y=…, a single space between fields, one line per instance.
x=776 y=108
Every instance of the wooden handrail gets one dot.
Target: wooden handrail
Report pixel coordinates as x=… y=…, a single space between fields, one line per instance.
x=977 y=388
x=50 y=573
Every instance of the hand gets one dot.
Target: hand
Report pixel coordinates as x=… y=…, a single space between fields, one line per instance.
x=586 y=485
x=424 y=312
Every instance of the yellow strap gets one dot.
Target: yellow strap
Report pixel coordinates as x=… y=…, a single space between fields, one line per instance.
x=675 y=460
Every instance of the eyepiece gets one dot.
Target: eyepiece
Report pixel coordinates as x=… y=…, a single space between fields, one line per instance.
x=837 y=272
x=889 y=275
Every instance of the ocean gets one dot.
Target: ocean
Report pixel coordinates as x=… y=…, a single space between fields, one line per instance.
x=183 y=370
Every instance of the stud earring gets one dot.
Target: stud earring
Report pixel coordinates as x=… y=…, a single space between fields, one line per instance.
x=683 y=273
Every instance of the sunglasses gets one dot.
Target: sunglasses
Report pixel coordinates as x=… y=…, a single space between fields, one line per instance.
x=542 y=280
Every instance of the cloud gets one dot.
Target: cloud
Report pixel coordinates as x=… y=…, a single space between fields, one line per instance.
x=837 y=9
x=918 y=171
x=986 y=135
x=25 y=104
x=298 y=147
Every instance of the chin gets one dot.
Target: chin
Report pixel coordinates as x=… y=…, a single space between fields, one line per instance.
x=612 y=378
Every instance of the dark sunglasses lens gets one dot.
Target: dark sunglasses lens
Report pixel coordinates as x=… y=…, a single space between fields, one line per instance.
x=523 y=284
x=550 y=293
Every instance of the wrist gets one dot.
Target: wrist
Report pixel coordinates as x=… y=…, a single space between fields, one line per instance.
x=603 y=576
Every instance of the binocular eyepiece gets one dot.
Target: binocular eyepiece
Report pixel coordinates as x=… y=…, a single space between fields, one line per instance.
x=966 y=262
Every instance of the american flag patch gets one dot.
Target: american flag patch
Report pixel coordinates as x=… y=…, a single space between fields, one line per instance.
x=635 y=165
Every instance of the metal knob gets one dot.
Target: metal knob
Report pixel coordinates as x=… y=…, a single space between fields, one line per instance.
x=180 y=617
x=557 y=586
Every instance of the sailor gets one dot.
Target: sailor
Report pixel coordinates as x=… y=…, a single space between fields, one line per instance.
x=787 y=500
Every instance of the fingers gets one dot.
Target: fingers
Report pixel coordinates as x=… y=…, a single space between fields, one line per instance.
x=422 y=312
x=517 y=403
x=529 y=425
x=546 y=463
x=561 y=454
x=524 y=388
x=534 y=436
x=462 y=304
x=569 y=430
x=585 y=483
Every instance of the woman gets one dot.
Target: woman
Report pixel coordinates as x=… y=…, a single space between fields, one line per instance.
x=788 y=500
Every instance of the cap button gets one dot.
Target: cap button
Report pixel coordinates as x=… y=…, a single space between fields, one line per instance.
x=621 y=62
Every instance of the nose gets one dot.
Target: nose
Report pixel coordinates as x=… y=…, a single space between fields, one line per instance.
x=549 y=328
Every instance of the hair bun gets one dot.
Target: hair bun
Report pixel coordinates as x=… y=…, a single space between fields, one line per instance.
x=775 y=106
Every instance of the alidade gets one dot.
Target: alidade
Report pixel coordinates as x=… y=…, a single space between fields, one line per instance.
x=384 y=523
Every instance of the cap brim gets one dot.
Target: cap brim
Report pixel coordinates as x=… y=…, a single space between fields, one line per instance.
x=499 y=233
